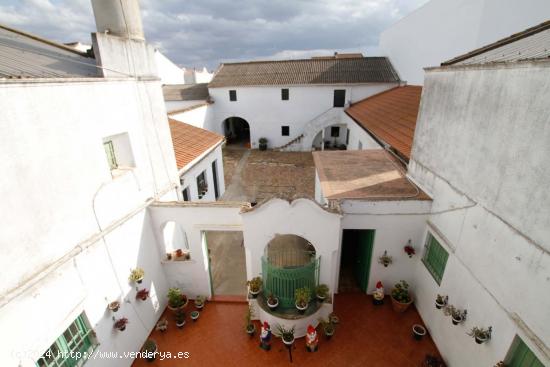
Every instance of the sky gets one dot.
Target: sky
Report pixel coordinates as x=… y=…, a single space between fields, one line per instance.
x=197 y=33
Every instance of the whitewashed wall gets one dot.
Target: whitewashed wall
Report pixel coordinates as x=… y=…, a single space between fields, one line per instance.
x=168 y=72
x=499 y=263
x=358 y=135
x=265 y=112
x=198 y=117
x=192 y=276
x=443 y=29
x=302 y=217
x=204 y=163
x=173 y=107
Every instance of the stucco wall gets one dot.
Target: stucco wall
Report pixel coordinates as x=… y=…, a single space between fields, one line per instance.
x=443 y=29
x=481 y=152
x=358 y=135
x=265 y=112
x=302 y=217
x=205 y=164
x=168 y=72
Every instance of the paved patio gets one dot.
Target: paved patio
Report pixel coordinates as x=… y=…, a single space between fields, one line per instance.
x=373 y=336
x=252 y=175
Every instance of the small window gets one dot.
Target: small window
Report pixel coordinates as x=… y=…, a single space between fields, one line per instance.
x=72 y=347
x=339 y=97
x=335 y=131
x=202 y=185
x=110 y=153
x=522 y=356
x=284 y=94
x=285 y=130
x=215 y=179
x=185 y=194
x=232 y=95
x=435 y=258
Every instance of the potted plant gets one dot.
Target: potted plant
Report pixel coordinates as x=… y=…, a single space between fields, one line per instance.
x=180 y=319
x=457 y=316
x=114 y=306
x=249 y=325
x=199 y=302
x=333 y=318
x=400 y=297
x=481 y=335
x=321 y=292
x=162 y=325
x=176 y=299
x=286 y=334
x=142 y=294
x=120 y=324
x=441 y=301
x=136 y=275
x=194 y=315
x=418 y=331
x=254 y=286
x=385 y=259
x=149 y=349
x=272 y=301
x=409 y=250
x=301 y=296
x=328 y=327
x=262 y=143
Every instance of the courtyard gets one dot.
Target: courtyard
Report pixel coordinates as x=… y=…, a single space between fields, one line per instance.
x=366 y=335
x=254 y=175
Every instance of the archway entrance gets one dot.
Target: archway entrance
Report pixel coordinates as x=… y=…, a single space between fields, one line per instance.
x=237 y=131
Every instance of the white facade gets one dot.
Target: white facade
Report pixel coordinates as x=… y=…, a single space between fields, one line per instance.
x=265 y=111
x=359 y=139
x=483 y=160
x=443 y=29
x=168 y=72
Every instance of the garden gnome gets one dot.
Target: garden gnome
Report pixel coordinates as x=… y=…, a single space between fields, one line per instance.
x=312 y=339
x=378 y=294
x=265 y=337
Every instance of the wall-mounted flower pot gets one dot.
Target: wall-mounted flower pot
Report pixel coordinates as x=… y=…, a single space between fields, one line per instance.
x=114 y=306
x=457 y=320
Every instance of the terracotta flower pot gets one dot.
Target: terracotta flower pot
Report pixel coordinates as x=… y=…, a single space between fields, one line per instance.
x=400 y=307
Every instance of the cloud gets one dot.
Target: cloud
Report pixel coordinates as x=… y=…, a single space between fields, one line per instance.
x=207 y=32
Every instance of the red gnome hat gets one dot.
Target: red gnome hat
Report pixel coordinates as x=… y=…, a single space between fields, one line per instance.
x=379 y=284
x=266 y=325
x=310 y=329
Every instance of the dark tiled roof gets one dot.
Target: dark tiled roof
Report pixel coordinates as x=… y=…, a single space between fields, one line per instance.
x=23 y=55
x=364 y=175
x=190 y=142
x=185 y=92
x=390 y=116
x=532 y=43
x=308 y=71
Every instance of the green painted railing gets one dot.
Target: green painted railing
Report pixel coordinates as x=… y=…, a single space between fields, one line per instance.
x=283 y=281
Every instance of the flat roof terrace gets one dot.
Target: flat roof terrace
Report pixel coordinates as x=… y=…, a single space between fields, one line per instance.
x=372 y=175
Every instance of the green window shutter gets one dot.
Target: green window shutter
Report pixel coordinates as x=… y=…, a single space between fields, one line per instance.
x=75 y=339
x=110 y=153
x=523 y=357
x=435 y=258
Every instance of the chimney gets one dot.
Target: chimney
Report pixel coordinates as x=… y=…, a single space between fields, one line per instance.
x=120 y=18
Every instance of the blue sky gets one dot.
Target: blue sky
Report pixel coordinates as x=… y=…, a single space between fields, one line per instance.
x=194 y=33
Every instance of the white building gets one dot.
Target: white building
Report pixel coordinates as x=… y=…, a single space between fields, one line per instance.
x=442 y=29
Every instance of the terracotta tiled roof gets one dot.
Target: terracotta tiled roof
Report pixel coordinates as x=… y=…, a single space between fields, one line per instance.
x=308 y=71
x=372 y=175
x=191 y=142
x=390 y=116
x=185 y=92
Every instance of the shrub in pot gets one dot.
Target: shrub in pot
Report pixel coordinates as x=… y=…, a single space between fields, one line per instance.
x=321 y=292
x=194 y=315
x=262 y=143
x=441 y=301
x=180 y=319
x=142 y=294
x=328 y=327
x=249 y=326
x=481 y=335
x=176 y=299
x=286 y=334
x=301 y=296
x=254 y=286
x=162 y=325
x=120 y=324
x=149 y=350
x=457 y=316
x=400 y=297
x=272 y=301
x=136 y=275
x=199 y=302
x=114 y=306
x=418 y=331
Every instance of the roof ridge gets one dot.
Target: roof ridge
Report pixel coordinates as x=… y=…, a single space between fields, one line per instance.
x=309 y=59
x=44 y=40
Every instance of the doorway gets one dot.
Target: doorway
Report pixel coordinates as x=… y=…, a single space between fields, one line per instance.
x=226 y=262
x=355 y=260
x=237 y=131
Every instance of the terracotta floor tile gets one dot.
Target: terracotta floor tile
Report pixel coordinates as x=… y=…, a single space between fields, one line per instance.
x=367 y=336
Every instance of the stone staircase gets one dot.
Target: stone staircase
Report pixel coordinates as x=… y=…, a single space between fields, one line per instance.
x=304 y=141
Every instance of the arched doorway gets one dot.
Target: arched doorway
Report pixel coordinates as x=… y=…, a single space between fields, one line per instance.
x=237 y=131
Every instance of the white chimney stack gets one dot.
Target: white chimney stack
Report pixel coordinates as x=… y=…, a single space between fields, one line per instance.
x=120 y=18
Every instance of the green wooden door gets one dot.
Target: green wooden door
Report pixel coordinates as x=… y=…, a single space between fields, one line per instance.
x=523 y=357
x=361 y=271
